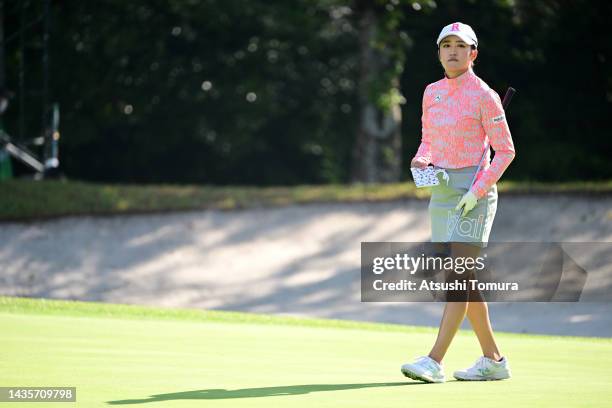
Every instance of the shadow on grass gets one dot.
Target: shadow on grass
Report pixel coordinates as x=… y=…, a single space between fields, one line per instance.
x=219 y=393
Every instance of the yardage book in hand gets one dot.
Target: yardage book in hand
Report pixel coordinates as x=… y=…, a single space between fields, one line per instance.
x=427 y=177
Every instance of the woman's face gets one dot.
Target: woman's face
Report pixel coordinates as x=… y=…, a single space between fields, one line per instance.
x=455 y=55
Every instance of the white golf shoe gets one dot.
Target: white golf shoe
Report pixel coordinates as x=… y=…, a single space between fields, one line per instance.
x=424 y=369
x=485 y=369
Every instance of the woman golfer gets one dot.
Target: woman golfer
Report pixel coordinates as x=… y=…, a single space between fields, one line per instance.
x=461 y=117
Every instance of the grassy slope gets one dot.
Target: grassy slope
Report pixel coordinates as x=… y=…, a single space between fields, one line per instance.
x=125 y=355
x=22 y=200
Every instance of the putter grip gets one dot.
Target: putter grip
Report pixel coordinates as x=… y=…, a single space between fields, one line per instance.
x=508 y=97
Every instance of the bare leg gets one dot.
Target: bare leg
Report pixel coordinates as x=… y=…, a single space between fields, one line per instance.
x=478 y=315
x=454 y=312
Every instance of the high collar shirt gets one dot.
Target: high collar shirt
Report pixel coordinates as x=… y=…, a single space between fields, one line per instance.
x=461 y=116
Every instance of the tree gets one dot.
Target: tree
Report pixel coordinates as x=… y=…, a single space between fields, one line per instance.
x=377 y=150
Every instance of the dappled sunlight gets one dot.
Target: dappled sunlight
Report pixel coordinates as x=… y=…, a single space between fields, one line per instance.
x=297 y=260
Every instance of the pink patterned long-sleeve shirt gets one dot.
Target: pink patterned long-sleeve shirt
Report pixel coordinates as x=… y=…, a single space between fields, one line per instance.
x=460 y=115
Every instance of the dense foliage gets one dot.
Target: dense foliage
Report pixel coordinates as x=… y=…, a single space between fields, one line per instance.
x=266 y=92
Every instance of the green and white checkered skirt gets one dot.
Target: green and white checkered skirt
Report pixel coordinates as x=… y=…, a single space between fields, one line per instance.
x=446 y=224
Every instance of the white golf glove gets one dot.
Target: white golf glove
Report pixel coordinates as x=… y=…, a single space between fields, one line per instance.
x=468 y=202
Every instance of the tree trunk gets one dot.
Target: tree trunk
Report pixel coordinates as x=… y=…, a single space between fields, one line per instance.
x=377 y=151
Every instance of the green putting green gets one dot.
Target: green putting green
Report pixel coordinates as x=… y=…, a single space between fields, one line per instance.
x=129 y=355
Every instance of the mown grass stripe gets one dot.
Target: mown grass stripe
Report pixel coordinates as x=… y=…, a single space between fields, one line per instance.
x=18 y=305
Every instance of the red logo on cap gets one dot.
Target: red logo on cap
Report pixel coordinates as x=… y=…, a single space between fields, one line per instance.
x=455 y=27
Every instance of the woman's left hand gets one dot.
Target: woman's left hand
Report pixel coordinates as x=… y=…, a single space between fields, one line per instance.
x=468 y=202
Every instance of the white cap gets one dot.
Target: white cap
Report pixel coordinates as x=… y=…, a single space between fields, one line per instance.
x=462 y=31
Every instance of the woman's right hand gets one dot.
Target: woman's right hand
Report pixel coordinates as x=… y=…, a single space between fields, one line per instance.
x=419 y=163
